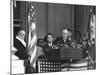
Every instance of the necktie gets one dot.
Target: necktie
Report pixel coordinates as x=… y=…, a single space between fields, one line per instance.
x=50 y=44
x=64 y=39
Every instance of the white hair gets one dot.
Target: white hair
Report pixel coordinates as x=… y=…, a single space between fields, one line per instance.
x=65 y=31
x=21 y=32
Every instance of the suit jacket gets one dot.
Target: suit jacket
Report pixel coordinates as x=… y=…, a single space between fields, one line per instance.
x=59 y=41
x=47 y=49
x=21 y=50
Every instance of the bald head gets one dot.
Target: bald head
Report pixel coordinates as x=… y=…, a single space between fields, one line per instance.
x=65 y=33
x=21 y=32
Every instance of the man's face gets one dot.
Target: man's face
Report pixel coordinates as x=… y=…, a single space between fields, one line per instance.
x=22 y=35
x=50 y=38
x=65 y=34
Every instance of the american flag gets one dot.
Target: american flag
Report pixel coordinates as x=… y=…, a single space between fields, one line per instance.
x=92 y=24
x=91 y=30
x=32 y=39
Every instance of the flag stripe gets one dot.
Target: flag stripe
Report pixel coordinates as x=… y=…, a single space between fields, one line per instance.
x=32 y=35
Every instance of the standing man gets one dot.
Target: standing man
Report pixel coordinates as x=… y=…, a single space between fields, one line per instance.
x=22 y=52
x=20 y=45
x=64 y=39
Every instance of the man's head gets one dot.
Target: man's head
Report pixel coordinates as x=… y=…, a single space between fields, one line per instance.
x=65 y=33
x=21 y=34
x=49 y=37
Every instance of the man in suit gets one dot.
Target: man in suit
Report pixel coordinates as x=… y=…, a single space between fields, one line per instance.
x=49 y=47
x=64 y=40
x=49 y=40
x=22 y=51
x=20 y=45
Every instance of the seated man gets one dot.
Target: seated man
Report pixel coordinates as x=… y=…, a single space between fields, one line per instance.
x=40 y=53
x=49 y=41
x=49 y=46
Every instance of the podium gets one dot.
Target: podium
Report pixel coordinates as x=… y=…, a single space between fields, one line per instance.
x=53 y=54
x=68 y=59
x=70 y=53
x=64 y=53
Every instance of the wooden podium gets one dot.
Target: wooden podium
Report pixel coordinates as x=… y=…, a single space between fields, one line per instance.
x=70 y=53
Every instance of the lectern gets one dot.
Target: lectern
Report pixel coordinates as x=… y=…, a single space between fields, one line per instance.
x=70 y=53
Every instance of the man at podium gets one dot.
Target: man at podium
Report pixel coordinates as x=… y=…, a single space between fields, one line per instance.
x=64 y=40
x=49 y=47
